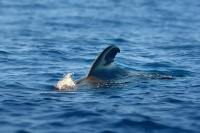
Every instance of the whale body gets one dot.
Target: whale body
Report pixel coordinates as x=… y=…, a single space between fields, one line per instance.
x=103 y=72
x=104 y=68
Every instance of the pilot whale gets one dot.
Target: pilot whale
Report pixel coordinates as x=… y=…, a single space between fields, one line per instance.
x=105 y=71
x=104 y=68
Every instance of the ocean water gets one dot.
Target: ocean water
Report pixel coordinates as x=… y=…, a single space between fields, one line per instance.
x=42 y=40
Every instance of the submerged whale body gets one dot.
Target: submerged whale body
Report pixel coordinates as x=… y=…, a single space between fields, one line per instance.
x=104 y=68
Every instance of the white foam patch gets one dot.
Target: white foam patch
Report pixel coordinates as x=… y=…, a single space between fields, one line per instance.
x=66 y=83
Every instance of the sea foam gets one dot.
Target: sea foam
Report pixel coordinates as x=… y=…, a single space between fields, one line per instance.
x=66 y=83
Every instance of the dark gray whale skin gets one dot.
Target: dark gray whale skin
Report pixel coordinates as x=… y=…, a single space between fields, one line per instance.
x=104 y=68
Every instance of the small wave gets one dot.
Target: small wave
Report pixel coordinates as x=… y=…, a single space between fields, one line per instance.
x=16 y=85
x=79 y=113
x=118 y=40
x=174 y=100
x=4 y=52
x=22 y=131
x=149 y=125
x=57 y=124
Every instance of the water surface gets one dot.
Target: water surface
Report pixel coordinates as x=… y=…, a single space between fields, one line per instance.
x=40 y=41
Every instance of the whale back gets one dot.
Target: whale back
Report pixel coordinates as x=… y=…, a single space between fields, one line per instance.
x=104 y=67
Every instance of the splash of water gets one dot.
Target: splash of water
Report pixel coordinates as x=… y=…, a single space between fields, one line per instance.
x=66 y=83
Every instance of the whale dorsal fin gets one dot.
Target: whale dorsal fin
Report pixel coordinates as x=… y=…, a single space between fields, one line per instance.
x=104 y=67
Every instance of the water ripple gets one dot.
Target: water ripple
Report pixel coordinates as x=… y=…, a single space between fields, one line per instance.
x=40 y=41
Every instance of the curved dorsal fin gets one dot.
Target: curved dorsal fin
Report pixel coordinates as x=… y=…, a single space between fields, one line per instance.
x=104 y=67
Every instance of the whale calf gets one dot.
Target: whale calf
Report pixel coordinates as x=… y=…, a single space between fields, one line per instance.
x=104 y=68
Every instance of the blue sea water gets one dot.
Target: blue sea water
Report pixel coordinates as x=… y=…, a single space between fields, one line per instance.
x=41 y=40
